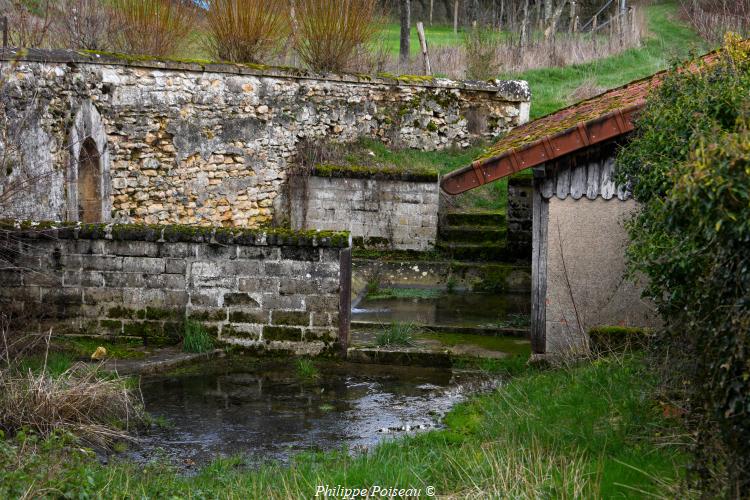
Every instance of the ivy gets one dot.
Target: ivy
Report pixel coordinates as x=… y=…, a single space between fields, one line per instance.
x=689 y=166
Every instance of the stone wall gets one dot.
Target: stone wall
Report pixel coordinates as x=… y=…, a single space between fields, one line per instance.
x=385 y=213
x=202 y=143
x=266 y=290
x=520 y=196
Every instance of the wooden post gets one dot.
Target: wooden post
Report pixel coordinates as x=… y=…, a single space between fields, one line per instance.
x=5 y=32
x=573 y=18
x=633 y=26
x=593 y=24
x=423 y=46
x=345 y=299
x=432 y=4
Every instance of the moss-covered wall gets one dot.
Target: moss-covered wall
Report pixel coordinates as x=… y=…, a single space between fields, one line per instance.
x=261 y=289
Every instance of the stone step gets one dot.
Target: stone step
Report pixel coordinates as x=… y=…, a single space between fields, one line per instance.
x=469 y=330
x=493 y=218
x=472 y=234
x=481 y=252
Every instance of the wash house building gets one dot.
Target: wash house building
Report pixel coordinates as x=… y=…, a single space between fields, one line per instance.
x=579 y=211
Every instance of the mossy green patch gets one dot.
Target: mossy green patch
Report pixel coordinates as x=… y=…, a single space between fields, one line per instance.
x=414 y=174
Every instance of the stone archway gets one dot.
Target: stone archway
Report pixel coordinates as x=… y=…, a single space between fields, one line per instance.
x=89 y=183
x=89 y=188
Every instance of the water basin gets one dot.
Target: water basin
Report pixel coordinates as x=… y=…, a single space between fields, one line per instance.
x=264 y=410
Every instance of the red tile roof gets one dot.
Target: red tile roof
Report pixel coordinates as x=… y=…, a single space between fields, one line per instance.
x=583 y=124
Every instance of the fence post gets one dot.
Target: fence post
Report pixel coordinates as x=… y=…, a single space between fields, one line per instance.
x=573 y=17
x=423 y=46
x=5 y=32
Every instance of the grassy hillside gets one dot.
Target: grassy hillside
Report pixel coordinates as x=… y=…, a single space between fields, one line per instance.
x=668 y=38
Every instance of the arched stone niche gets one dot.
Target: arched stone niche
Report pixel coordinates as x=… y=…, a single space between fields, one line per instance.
x=89 y=186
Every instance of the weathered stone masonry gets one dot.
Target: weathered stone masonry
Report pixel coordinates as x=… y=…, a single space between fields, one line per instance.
x=268 y=290
x=214 y=144
x=393 y=212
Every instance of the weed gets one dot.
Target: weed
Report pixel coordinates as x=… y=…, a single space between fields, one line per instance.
x=196 y=338
x=306 y=370
x=397 y=334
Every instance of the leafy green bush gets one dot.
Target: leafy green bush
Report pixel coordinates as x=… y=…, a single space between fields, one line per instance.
x=196 y=338
x=689 y=165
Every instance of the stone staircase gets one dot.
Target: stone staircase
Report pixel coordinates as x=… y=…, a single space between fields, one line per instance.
x=474 y=236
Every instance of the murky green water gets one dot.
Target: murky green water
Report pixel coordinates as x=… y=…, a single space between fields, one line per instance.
x=264 y=410
x=458 y=309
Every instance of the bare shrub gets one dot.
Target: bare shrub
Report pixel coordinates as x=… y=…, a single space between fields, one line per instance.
x=78 y=401
x=246 y=30
x=713 y=18
x=330 y=33
x=30 y=29
x=589 y=88
x=85 y=24
x=481 y=46
x=153 y=27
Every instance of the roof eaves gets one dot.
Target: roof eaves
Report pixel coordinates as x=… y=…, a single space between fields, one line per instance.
x=594 y=131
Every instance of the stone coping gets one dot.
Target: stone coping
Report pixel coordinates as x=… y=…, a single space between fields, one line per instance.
x=510 y=90
x=176 y=233
x=375 y=172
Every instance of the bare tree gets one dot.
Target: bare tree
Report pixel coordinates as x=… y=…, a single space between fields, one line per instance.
x=85 y=24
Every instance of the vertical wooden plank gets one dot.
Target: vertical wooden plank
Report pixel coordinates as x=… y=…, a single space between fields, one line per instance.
x=592 y=181
x=563 y=182
x=607 y=189
x=578 y=181
x=540 y=216
x=345 y=298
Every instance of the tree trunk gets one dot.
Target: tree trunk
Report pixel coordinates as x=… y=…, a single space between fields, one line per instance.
x=455 y=16
x=552 y=26
x=524 y=40
x=405 y=31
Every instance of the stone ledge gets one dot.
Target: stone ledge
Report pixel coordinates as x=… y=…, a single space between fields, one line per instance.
x=177 y=234
x=375 y=173
x=510 y=90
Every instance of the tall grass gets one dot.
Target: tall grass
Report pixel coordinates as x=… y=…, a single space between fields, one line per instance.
x=153 y=27
x=246 y=30
x=396 y=334
x=195 y=338
x=481 y=47
x=329 y=34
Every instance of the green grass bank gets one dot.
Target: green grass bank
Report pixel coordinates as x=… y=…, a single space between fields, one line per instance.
x=592 y=430
x=668 y=38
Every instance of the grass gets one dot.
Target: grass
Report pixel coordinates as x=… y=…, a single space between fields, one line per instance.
x=591 y=430
x=396 y=334
x=306 y=370
x=668 y=38
x=492 y=196
x=196 y=338
x=437 y=36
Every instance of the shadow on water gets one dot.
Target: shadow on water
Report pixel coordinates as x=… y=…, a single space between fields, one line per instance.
x=265 y=411
x=459 y=309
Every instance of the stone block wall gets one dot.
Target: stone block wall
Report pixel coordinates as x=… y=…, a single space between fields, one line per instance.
x=385 y=213
x=266 y=290
x=210 y=144
x=520 y=205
